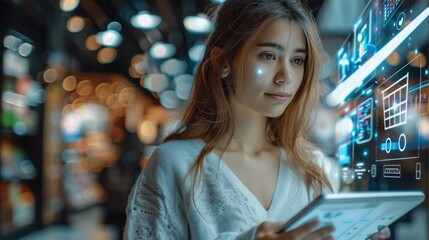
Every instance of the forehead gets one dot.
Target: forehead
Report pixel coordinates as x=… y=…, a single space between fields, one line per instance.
x=283 y=31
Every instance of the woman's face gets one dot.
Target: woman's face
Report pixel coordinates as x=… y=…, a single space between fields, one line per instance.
x=273 y=69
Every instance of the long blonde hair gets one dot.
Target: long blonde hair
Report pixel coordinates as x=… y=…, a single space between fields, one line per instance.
x=208 y=114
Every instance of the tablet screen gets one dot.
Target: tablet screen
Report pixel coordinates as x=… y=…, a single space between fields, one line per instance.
x=357 y=215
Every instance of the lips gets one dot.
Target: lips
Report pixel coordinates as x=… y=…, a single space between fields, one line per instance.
x=278 y=95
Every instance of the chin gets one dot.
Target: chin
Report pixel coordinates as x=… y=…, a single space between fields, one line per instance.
x=273 y=114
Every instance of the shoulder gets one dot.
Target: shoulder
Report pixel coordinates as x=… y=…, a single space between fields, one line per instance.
x=180 y=148
x=176 y=154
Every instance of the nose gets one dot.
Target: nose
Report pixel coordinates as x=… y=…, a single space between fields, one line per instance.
x=281 y=80
x=283 y=74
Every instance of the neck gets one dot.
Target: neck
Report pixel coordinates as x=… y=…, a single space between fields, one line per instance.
x=250 y=132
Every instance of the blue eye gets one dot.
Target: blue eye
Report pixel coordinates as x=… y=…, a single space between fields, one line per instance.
x=298 y=61
x=267 y=56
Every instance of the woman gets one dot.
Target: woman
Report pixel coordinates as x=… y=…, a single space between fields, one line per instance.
x=240 y=164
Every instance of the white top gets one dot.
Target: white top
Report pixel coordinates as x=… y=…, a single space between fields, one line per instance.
x=161 y=205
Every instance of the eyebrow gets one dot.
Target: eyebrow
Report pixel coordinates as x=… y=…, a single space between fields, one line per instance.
x=280 y=47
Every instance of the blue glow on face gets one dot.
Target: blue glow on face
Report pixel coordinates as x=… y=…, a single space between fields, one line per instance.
x=259 y=73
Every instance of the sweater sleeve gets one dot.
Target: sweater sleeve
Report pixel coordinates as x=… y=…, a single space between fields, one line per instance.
x=154 y=206
x=160 y=204
x=249 y=234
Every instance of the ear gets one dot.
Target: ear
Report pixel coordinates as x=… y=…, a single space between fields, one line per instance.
x=226 y=70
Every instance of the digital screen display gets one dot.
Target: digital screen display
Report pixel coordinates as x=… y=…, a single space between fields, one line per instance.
x=382 y=131
x=365 y=35
x=381 y=97
x=344 y=56
x=389 y=9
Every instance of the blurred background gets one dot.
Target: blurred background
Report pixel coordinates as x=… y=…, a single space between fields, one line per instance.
x=89 y=88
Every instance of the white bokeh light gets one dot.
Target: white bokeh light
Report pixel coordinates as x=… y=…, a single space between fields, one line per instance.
x=145 y=20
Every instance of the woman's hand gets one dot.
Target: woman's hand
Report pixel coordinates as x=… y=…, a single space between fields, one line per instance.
x=268 y=231
x=383 y=233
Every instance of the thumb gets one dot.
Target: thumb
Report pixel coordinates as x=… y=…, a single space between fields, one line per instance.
x=383 y=233
x=268 y=228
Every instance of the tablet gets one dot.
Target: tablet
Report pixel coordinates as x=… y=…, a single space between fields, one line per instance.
x=357 y=215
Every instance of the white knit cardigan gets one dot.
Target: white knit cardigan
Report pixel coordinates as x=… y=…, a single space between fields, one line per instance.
x=161 y=205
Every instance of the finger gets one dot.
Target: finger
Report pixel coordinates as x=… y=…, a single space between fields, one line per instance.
x=321 y=233
x=383 y=233
x=308 y=227
x=328 y=238
x=268 y=228
x=303 y=230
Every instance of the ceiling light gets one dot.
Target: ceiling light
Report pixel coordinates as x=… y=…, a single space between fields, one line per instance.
x=183 y=85
x=68 y=5
x=162 y=50
x=106 y=55
x=196 y=52
x=25 y=49
x=168 y=99
x=173 y=67
x=156 y=82
x=75 y=24
x=197 y=24
x=218 y=1
x=12 y=42
x=115 y=26
x=91 y=43
x=145 y=20
x=109 y=38
x=147 y=131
